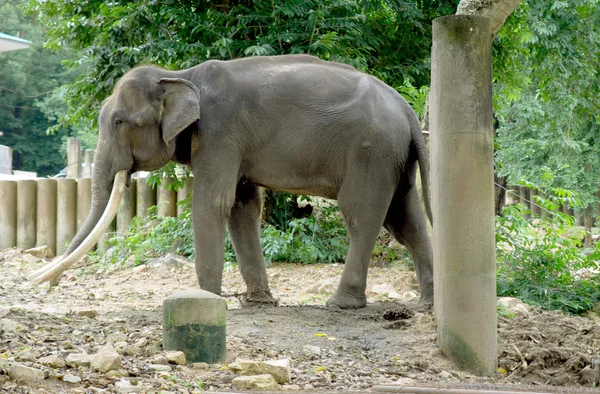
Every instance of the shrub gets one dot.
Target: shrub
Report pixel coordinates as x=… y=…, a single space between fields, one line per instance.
x=318 y=238
x=541 y=261
x=152 y=237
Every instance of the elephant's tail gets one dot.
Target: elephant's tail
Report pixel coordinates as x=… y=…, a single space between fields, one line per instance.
x=423 y=159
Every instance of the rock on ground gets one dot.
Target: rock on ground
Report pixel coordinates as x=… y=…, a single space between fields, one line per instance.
x=79 y=359
x=54 y=361
x=8 y=325
x=175 y=357
x=107 y=359
x=159 y=367
x=279 y=369
x=256 y=382
x=24 y=374
x=387 y=290
x=71 y=378
x=41 y=252
x=125 y=386
x=513 y=305
x=170 y=261
x=246 y=367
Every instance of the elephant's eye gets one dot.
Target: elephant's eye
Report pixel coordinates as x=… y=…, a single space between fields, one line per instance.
x=118 y=121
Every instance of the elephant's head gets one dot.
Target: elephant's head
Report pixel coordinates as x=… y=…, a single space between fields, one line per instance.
x=138 y=124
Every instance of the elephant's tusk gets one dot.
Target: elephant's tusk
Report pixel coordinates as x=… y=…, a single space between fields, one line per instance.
x=52 y=270
x=45 y=267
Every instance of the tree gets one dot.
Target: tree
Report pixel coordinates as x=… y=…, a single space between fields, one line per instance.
x=390 y=39
x=27 y=93
x=549 y=130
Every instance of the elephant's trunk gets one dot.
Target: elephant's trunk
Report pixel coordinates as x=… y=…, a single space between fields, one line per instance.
x=102 y=184
x=104 y=208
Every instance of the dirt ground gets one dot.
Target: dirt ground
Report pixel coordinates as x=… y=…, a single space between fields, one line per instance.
x=348 y=350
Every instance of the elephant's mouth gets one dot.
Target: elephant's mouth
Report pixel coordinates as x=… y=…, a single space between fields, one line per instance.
x=128 y=180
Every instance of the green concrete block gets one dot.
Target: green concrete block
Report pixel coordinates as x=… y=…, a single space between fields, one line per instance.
x=194 y=323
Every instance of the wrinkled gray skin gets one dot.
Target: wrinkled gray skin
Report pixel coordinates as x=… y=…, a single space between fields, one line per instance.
x=290 y=123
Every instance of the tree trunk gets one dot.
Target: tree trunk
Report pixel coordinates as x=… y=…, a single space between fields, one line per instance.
x=499 y=193
x=588 y=220
x=597 y=214
x=497 y=10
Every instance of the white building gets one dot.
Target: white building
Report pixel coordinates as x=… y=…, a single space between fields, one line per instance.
x=11 y=43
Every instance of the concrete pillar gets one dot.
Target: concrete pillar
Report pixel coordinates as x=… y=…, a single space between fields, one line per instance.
x=66 y=213
x=511 y=197
x=73 y=158
x=102 y=245
x=167 y=199
x=8 y=214
x=194 y=323
x=183 y=193
x=6 y=156
x=26 y=213
x=46 y=214
x=146 y=197
x=543 y=211
x=567 y=210
x=463 y=191
x=588 y=221
x=523 y=196
x=535 y=209
x=126 y=210
x=88 y=159
x=578 y=218
x=597 y=214
x=84 y=200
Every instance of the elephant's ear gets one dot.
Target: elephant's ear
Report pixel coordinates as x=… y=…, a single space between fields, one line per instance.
x=180 y=107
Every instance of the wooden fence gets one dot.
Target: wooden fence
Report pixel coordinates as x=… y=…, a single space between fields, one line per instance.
x=50 y=211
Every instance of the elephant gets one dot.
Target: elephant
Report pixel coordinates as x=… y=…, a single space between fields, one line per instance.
x=291 y=123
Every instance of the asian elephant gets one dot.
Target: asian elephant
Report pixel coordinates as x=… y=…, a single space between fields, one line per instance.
x=292 y=123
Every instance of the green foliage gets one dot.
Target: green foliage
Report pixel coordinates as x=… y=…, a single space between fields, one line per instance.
x=177 y=173
x=389 y=39
x=152 y=237
x=321 y=238
x=280 y=208
x=416 y=97
x=559 y=195
x=548 y=100
x=502 y=311
x=29 y=95
x=307 y=240
x=541 y=262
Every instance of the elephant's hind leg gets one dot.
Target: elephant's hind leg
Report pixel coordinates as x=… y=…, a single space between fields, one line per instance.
x=244 y=231
x=405 y=220
x=363 y=201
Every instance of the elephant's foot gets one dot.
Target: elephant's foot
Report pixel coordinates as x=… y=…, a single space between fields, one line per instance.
x=346 y=301
x=425 y=302
x=258 y=297
x=211 y=287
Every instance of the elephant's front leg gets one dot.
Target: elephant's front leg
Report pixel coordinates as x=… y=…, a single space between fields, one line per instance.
x=214 y=194
x=244 y=227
